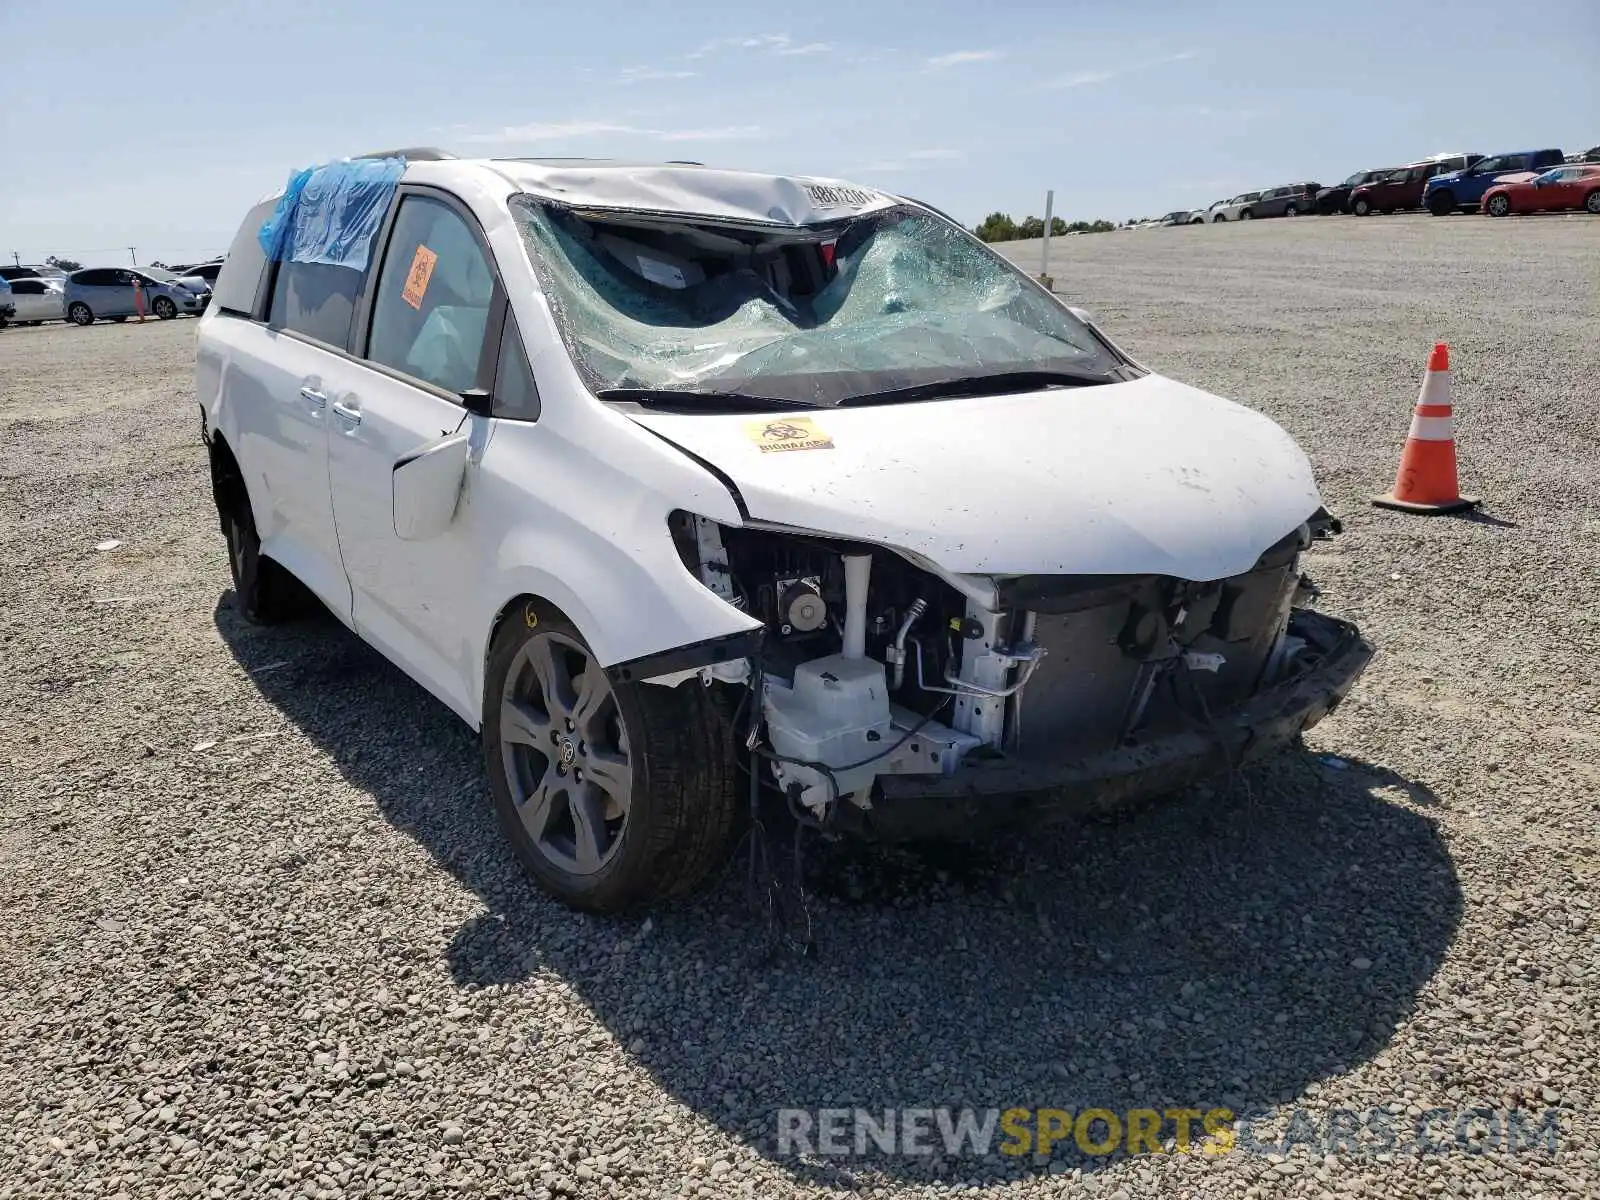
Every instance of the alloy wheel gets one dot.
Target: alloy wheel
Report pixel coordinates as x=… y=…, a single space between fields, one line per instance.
x=566 y=755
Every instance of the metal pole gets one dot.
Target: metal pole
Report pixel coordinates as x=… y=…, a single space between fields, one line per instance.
x=132 y=257
x=16 y=258
x=1049 y=216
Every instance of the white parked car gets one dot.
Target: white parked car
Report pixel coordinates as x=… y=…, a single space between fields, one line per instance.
x=36 y=300
x=1234 y=209
x=654 y=472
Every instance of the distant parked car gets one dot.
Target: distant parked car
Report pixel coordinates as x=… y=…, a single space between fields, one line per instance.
x=1401 y=188
x=37 y=300
x=1203 y=215
x=1461 y=191
x=1288 y=200
x=1452 y=160
x=1592 y=154
x=7 y=309
x=1182 y=217
x=1336 y=199
x=206 y=271
x=1233 y=208
x=108 y=292
x=1559 y=189
x=35 y=271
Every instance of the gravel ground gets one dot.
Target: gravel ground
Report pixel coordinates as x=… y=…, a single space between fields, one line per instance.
x=263 y=937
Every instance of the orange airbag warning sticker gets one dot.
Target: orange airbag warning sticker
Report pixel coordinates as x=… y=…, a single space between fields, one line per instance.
x=788 y=433
x=417 y=278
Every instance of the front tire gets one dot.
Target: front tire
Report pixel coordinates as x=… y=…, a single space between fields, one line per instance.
x=1247 y=215
x=80 y=314
x=164 y=308
x=1362 y=207
x=1497 y=206
x=613 y=795
x=1291 y=211
x=1591 y=202
x=1442 y=204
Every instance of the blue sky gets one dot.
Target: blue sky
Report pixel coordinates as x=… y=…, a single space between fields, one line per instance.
x=156 y=125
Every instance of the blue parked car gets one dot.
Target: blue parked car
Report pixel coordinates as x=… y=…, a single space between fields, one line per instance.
x=1461 y=191
x=108 y=292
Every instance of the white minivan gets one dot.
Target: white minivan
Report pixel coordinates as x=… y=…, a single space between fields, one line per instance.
x=693 y=489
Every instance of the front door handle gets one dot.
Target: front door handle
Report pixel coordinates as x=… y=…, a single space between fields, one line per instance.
x=348 y=412
x=317 y=399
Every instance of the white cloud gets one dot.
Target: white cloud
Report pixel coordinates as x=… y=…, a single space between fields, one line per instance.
x=777 y=42
x=642 y=74
x=1087 y=78
x=958 y=57
x=808 y=48
x=936 y=155
x=1082 y=79
x=724 y=133
x=554 y=131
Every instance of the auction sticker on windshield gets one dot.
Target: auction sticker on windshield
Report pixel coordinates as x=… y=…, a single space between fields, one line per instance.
x=788 y=433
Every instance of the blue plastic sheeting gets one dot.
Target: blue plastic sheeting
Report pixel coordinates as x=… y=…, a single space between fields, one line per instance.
x=330 y=214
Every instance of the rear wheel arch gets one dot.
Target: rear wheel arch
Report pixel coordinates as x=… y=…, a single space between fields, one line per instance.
x=228 y=488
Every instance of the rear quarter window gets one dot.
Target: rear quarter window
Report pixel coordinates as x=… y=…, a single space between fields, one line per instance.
x=239 y=288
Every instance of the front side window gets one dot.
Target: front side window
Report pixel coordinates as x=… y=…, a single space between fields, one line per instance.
x=821 y=315
x=431 y=311
x=1498 y=163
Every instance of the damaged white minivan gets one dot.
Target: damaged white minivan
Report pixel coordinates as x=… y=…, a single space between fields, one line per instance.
x=680 y=483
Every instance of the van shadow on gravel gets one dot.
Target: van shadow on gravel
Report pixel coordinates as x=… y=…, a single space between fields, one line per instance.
x=1221 y=948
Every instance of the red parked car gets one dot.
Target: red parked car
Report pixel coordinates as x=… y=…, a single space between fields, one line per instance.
x=1576 y=185
x=1402 y=189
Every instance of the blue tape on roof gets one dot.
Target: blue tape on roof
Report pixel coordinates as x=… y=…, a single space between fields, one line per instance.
x=330 y=214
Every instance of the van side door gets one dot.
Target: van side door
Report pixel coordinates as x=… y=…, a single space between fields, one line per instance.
x=429 y=331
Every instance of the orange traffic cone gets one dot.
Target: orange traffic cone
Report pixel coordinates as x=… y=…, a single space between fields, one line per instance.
x=1426 y=481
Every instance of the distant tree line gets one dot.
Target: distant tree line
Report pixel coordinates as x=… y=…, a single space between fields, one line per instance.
x=1000 y=227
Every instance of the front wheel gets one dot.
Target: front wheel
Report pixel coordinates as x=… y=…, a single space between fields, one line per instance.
x=1362 y=207
x=1442 y=204
x=80 y=314
x=164 y=308
x=1591 y=202
x=1291 y=211
x=1498 y=206
x=613 y=794
x=1247 y=215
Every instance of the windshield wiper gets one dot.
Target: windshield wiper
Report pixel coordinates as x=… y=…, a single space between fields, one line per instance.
x=982 y=385
x=669 y=398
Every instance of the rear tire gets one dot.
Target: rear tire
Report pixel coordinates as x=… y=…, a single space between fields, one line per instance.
x=1362 y=207
x=1291 y=211
x=263 y=592
x=603 y=847
x=80 y=313
x=1247 y=215
x=1591 y=202
x=164 y=308
x=1497 y=206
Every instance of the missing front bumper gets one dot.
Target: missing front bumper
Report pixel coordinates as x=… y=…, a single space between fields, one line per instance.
x=1011 y=790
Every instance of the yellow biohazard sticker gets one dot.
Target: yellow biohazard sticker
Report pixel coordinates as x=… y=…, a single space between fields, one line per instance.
x=788 y=433
x=417 y=278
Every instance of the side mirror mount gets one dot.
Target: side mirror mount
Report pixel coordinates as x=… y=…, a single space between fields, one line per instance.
x=426 y=487
x=478 y=402
x=1083 y=314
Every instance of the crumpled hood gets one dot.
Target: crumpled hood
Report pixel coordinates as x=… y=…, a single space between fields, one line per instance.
x=1147 y=477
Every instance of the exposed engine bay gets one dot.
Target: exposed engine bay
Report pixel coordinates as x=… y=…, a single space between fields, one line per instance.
x=873 y=666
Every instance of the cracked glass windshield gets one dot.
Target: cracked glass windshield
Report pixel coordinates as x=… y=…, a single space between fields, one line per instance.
x=896 y=301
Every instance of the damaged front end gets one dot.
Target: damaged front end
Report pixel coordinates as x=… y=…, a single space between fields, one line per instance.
x=892 y=698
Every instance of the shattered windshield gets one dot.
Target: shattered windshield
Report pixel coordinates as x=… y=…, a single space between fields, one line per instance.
x=820 y=315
